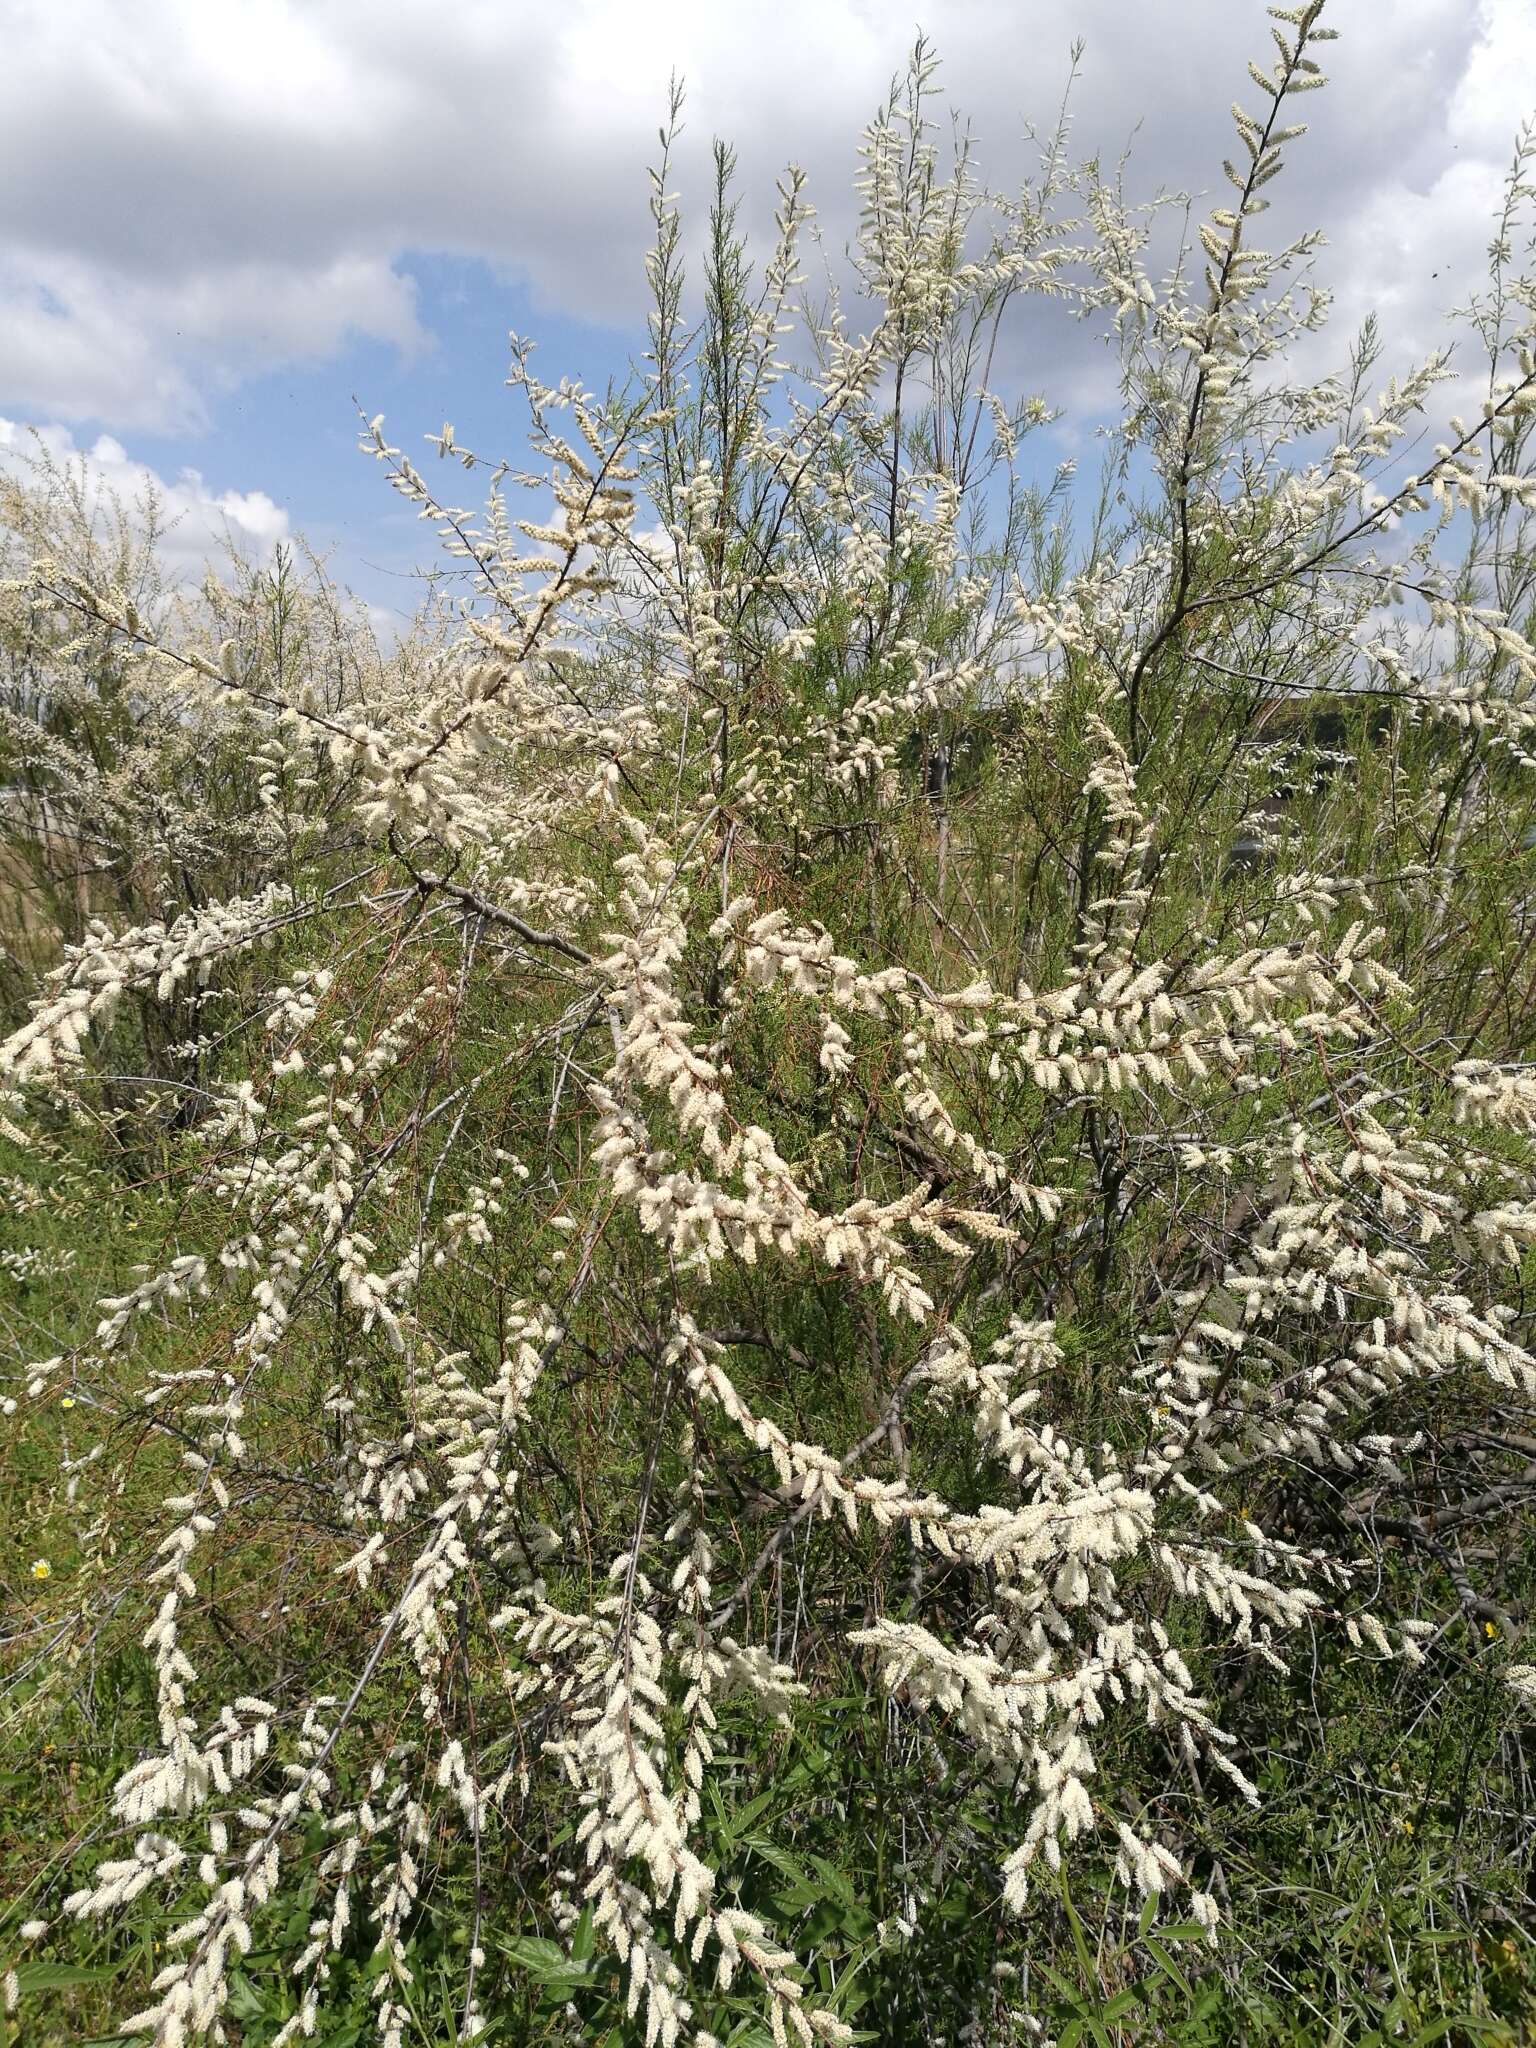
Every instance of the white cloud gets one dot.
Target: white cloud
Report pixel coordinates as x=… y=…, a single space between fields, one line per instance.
x=189 y=193
x=1414 y=246
x=1496 y=92
x=83 y=339
x=198 y=521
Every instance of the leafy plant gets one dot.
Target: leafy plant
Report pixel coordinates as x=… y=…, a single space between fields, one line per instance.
x=843 y=1304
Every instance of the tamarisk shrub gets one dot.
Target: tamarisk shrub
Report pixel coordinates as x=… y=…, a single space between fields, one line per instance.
x=129 y=795
x=890 y=1095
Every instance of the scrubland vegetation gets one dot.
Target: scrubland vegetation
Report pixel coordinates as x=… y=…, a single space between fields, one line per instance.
x=776 y=1291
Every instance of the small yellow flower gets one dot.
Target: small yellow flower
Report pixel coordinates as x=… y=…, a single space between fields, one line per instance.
x=1407 y=1827
x=1489 y=1630
x=68 y=1401
x=41 y=1568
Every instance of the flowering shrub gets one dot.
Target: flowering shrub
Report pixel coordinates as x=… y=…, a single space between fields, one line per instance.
x=878 y=1101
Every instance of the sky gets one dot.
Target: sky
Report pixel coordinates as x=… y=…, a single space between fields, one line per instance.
x=225 y=224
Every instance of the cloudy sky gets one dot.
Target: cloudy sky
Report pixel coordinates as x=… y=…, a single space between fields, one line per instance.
x=222 y=220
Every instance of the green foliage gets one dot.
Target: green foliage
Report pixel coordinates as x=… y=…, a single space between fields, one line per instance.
x=544 y=932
